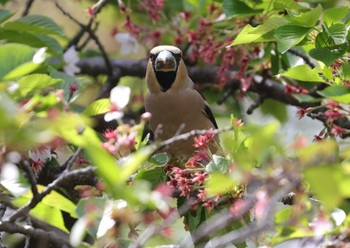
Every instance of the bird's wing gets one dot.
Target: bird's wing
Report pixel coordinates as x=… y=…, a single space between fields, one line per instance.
x=207 y=112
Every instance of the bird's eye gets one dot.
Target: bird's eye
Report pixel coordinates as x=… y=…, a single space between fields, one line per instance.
x=152 y=56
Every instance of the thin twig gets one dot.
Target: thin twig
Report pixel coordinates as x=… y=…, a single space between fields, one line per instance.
x=62 y=179
x=192 y=133
x=71 y=160
x=27 y=8
x=267 y=221
x=87 y=28
x=31 y=177
x=156 y=228
x=11 y=227
x=306 y=59
x=256 y=104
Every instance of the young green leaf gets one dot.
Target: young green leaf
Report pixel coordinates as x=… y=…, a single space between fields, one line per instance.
x=334 y=15
x=36 y=24
x=97 y=107
x=309 y=18
x=33 y=40
x=16 y=61
x=290 y=35
x=328 y=54
x=303 y=73
x=233 y=8
x=337 y=93
x=31 y=83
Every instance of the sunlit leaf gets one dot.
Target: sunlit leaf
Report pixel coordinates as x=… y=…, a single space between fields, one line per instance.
x=334 y=15
x=309 y=18
x=49 y=209
x=219 y=183
x=34 y=82
x=337 y=93
x=33 y=40
x=16 y=60
x=132 y=163
x=303 y=73
x=324 y=182
x=319 y=153
x=97 y=107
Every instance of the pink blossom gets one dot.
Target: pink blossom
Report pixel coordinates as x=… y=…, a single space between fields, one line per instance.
x=333 y=115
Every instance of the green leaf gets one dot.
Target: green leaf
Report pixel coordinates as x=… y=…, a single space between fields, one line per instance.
x=306 y=98
x=155 y=176
x=346 y=70
x=309 y=18
x=287 y=4
x=218 y=164
x=328 y=54
x=324 y=182
x=323 y=39
x=34 y=82
x=94 y=214
x=318 y=153
x=97 y=107
x=4 y=15
x=16 y=60
x=303 y=73
x=36 y=24
x=246 y=36
x=284 y=215
x=33 y=40
x=276 y=109
x=263 y=32
x=337 y=93
x=338 y=32
x=159 y=158
x=219 y=183
x=132 y=163
x=49 y=209
x=233 y=8
x=289 y=35
x=334 y=15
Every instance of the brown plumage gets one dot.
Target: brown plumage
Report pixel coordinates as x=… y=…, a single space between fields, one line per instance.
x=175 y=106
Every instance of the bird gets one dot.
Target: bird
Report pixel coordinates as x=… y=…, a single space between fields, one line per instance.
x=175 y=106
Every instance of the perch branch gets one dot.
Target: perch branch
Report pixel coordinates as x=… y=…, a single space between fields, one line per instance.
x=66 y=176
x=29 y=4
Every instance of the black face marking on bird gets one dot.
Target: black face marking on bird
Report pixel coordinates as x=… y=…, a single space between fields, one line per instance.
x=165 y=64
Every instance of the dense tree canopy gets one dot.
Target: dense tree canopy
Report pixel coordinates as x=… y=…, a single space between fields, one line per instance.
x=78 y=166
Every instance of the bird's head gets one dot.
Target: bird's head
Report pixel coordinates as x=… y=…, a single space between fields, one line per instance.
x=165 y=68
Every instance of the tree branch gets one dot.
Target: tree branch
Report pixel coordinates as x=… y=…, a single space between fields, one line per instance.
x=29 y=4
x=11 y=227
x=66 y=176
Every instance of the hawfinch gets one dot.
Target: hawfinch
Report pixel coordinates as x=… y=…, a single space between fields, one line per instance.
x=176 y=107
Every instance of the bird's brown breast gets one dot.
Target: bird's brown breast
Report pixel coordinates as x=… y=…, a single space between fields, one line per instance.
x=175 y=112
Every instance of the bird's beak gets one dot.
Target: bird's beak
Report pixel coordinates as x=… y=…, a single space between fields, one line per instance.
x=165 y=62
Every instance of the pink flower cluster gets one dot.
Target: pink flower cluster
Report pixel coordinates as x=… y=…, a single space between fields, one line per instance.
x=120 y=141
